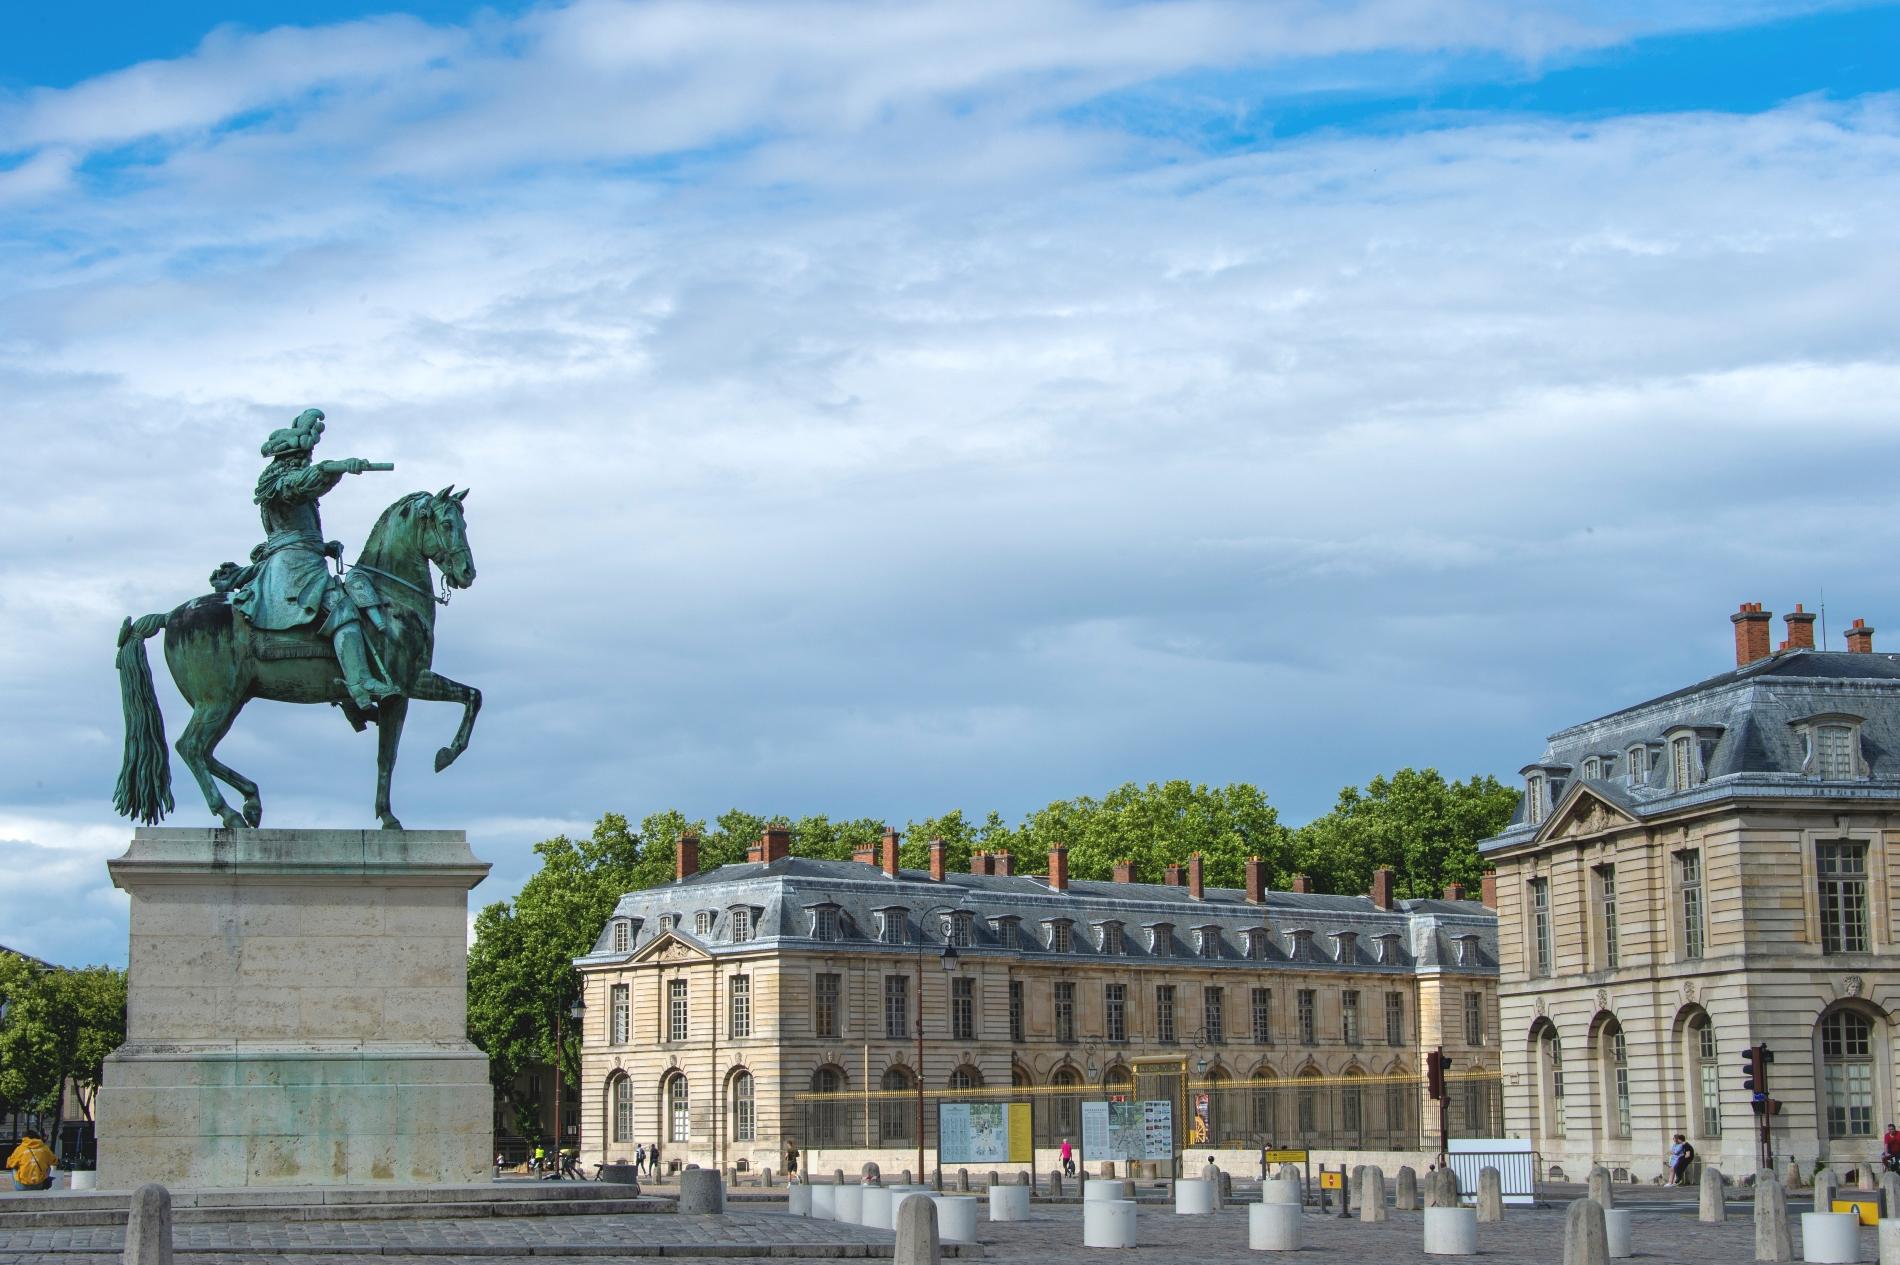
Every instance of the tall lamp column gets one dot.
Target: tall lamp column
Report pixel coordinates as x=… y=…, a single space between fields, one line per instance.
x=949 y=960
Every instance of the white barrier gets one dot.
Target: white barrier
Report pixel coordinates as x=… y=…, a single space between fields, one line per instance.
x=956 y=1218
x=1104 y=1188
x=1616 y=1233
x=1194 y=1196
x=824 y=1202
x=798 y=1200
x=1451 y=1231
x=1009 y=1203
x=877 y=1209
x=1108 y=1223
x=1830 y=1237
x=847 y=1204
x=1278 y=1192
x=1274 y=1227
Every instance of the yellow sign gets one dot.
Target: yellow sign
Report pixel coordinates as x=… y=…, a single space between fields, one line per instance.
x=1022 y=1144
x=1332 y=1181
x=1868 y=1208
x=1284 y=1157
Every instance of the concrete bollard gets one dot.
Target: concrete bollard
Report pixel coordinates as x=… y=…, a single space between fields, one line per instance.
x=1586 y=1237
x=1193 y=1197
x=1793 y=1179
x=1274 y=1227
x=1354 y=1183
x=1616 y=1232
x=1211 y=1174
x=878 y=1207
x=798 y=1199
x=1602 y=1188
x=1406 y=1198
x=1023 y=1178
x=1490 y=1201
x=1830 y=1238
x=870 y=1173
x=1055 y=1183
x=917 y=1241
x=1451 y=1232
x=963 y=1181
x=1889 y=1232
x=1095 y=1190
x=1108 y=1169
x=1826 y=1184
x=905 y=1179
x=956 y=1218
x=1108 y=1223
x=1280 y=1192
x=993 y=1178
x=936 y=1180
x=1714 y=1201
x=1009 y=1203
x=1890 y=1194
x=1441 y=1188
x=702 y=1191
x=765 y=1178
x=148 y=1226
x=1773 y=1241
x=1372 y=1194
x=837 y=1177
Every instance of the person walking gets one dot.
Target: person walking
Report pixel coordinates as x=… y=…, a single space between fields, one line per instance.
x=1067 y=1153
x=639 y=1159
x=1681 y=1155
x=32 y=1163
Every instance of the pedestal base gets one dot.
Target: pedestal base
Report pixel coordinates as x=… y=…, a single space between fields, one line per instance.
x=296 y=1013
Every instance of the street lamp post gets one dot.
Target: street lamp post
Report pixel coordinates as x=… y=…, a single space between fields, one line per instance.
x=574 y=1012
x=949 y=960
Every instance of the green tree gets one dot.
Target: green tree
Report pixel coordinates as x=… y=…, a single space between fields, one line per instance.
x=1161 y=824
x=56 y=1031
x=1425 y=828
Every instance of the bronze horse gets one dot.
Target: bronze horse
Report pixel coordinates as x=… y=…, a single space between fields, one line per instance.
x=219 y=663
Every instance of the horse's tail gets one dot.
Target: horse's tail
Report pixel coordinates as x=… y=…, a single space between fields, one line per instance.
x=145 y=778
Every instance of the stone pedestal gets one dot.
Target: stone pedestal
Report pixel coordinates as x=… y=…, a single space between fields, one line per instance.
x=297 y=1012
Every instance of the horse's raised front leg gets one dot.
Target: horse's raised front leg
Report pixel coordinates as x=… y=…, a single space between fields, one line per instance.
x=209 y=722
x=390 y=713
x=433 y=687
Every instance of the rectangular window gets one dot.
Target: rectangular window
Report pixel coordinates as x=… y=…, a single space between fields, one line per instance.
x=1395 y=1018
x=892 y=927
x=1847 y=1057
x=1682 y=763
x=1214 y=1014
x=963 y=1008
x=745 y=1124
x=622 y=1018
x=739 y=1006
x=897 y=1007
x=1842 y=867
x=703 y=923
x=1059 y=937
x=623 y=935
x=956 y=930
x=1016 y=1011
x=1708 y=1080
x=1606 y=906
x=1164 y=1013
x=1540 y=925
x=1115 y=1011
x=1065 y=1011
x=1008 y=932
x=1835 y=752
x=1349 y=1016
x=741 y=926
x=1305 y=1000
x=824 y=923
x=1474 y=1018
x=676 y=1010
x=1111 y=937
x=1263 y=1016
x=1689 y=893
x=824 y=1010
x=1210 y=942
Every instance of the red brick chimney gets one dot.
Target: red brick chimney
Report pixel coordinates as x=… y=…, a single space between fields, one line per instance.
x=1751 y=633
x=865 y=853
x=1195 y=889
x=1124 y=871
x=1002 y=864
x=1860 y=638
x=1059 y=869
x=1488 y=889
x=1800 y=629
x=1302 y=884
x=1172 y=875
x=1383 y=885
x=979 y=862
x=888 y=847
x=774 y=845
x=1455 y=891
x=936 y=860
x=686 y=855
x=1256 y=881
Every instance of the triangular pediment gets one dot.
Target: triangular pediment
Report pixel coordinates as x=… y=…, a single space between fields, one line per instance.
x=672 y=946
x=1581 y=813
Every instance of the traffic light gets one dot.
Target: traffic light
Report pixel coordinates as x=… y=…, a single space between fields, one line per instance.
x=1755 y=1061
x=1436 y=1065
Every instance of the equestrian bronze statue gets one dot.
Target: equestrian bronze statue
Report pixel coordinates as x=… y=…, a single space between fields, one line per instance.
x=289 y=629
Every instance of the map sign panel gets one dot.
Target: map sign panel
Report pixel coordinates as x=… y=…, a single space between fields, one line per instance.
x=984 y=1133
x=1128 y=1130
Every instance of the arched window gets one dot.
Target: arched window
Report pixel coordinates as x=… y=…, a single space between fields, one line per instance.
x=1550 y=1081
x=620 y=1105
x=966 y=1077
x=1310 y=1118
x=1614 y=1076
x=1262 y=1115
x=826 y=1119
x=1020 y=1076
x=1702 y=1090
x=1118 y=1080
x=745 y=1126
x=679 y=1126
x=1352 y=1109
x=1847 y=1073
x=897 y=1117
x=1065 y=1110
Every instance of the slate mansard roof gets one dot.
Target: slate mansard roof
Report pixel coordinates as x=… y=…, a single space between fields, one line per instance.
x=1303 y=930
x=1751 y=738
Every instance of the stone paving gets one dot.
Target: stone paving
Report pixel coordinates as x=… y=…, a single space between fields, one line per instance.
x=1664 y=1226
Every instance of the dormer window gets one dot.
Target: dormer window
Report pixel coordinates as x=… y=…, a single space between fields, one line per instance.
x=1161 y=939
x=667 y=921
x=1592 y=768
x=739 y=923
x=1108 y=937
x=1008 y=930
x=703 y=923
x=1637 y=765
x=956 y=929
x=1389 y=951
x=893 y=925
x=1058 y=935
x=1536 y=799
x=621 y=935
x=1346 y=946
x=1256 y=939
x=1209 y=941
x=824 y=922
x=1302 y=938
x=1689 y=752
x=1468 y=951
x=1833 y=747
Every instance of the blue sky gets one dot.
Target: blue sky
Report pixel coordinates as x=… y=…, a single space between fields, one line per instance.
x=879 y=409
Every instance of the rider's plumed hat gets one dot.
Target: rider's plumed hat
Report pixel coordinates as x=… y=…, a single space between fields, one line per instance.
x=300 y=436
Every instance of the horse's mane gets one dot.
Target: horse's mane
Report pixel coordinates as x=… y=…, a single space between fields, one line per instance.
x=382 y=525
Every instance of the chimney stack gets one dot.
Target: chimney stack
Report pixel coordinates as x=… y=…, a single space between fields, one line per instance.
x=1302 y=884
x=1488 y=889
x=1124 y=871
x=686 y=855
x=1059 y=869
x=1800 y=629
x=1002 y=864
x=936 y=860
x=774 y=845
x=1172 y=875
x=888 y=847
x=1455 y=891
x=1860 y=638
x=1195 y=889
x=980 y=862
x=1751 y=633
x=1256 y=881
x=865 y=853
x=1383 y=885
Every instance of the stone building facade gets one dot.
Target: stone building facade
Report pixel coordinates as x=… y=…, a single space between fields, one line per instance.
x=1691 y=876
x=769 y=1003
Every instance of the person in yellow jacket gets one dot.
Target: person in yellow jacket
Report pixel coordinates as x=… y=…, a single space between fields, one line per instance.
x=31 y=1163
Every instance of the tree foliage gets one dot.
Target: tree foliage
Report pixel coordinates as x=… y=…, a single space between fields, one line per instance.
x=56 y=1029
x=1425 y=828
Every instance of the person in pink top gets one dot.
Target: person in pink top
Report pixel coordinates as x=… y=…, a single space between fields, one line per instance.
x=1068 y=1158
